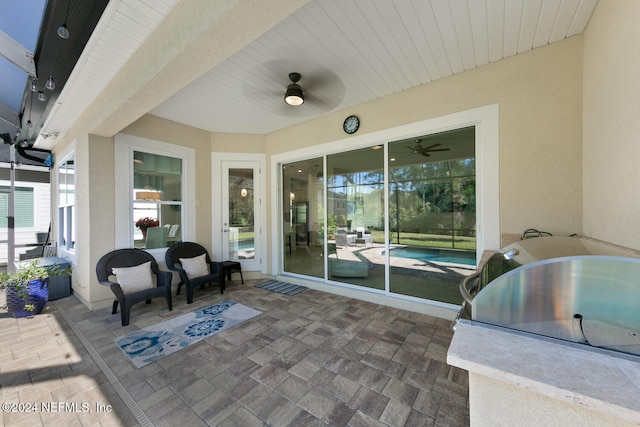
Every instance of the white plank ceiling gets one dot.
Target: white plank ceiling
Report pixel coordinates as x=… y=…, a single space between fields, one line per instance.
x=347 y=51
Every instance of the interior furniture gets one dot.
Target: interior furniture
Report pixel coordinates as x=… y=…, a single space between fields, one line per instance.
x=343 y=267
x=230 y=267
x=179 y=255
x=362 y=237
x=126 y=296
x=157 y=237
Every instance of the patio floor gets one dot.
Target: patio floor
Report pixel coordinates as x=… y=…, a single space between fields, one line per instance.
x=310 y=359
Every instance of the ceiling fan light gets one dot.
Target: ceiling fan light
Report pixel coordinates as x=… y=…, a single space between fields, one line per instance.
x=294 y=95
x=24 y=143
x=63 y=31
x=41 y=96
x=34 y=85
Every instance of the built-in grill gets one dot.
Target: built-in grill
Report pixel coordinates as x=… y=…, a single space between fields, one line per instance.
x=569 y=288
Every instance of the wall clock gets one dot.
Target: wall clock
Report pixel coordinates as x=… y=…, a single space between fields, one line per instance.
x=351 y=124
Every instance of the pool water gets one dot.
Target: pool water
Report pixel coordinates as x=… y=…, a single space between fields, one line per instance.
x=438 y=255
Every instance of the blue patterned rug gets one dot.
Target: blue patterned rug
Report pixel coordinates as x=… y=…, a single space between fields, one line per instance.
x=154 y=342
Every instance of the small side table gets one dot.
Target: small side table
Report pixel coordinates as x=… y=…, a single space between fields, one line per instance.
x=232 y=267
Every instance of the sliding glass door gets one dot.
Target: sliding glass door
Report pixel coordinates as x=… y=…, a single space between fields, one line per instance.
x=410 y=232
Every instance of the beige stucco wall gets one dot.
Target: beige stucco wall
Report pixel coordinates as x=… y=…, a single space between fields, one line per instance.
x=539 y=96
x=611 y=123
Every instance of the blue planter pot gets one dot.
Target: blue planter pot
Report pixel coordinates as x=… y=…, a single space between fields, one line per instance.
x=37 y=294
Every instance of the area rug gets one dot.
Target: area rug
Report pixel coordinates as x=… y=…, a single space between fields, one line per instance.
x=154 y=342
x=281 y=287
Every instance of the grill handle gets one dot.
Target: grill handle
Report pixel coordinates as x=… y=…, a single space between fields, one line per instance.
x=464 y=289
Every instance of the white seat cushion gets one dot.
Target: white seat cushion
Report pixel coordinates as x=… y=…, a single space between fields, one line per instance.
x=196 y=266
x=134 y=279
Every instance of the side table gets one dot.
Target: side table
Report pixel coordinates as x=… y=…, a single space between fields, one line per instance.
x=232 y=267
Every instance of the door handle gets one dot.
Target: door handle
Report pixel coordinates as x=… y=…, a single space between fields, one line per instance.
x=224 y=230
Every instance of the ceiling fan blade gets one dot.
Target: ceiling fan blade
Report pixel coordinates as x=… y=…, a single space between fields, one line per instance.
x=437 y=149
x=431 y=146
x=415 y=149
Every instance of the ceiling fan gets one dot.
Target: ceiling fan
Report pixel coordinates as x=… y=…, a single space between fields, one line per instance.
x=419 y=149
x=266 y=85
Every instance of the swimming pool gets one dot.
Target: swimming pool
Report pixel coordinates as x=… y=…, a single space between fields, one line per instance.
x=437 y=255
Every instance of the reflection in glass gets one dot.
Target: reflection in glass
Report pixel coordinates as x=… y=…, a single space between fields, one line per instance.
x=303 y=215
x=241 y=214
x=157 y=200
x=430 y=192
x=355 y=217
x=66 y=204
x=432 y=214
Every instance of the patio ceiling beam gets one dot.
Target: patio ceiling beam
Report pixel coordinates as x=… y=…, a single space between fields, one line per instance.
x=194 y=38
x=8 y=117
x=17 y=54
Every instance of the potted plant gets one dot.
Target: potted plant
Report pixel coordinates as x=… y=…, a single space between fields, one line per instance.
x=26 y=288
x=146 y=222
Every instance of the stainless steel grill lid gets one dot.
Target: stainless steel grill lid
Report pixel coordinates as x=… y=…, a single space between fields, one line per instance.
x=579 y=297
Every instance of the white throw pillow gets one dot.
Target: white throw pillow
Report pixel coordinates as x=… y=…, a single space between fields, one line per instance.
x=196 y=266
x=134 y=279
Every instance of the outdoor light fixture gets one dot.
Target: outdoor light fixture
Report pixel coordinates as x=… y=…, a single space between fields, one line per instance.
x=294 y=96
x=63 y=31
x=50 y=84
x=244 y=192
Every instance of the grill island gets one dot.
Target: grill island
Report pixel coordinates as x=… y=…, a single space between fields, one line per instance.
x=554 y=321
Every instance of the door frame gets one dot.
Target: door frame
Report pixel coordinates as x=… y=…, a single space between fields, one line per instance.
x=486 y=121
x=217 y=192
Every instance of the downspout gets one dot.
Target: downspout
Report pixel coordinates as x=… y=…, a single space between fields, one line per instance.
x=11 y=237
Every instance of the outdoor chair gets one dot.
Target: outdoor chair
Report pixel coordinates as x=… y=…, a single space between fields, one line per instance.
x=194 y=266
x=130 y=275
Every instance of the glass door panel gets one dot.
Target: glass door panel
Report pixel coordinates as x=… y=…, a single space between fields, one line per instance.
x=241 y=227
x=432 y=215
x=355 y=217
x=303 y=217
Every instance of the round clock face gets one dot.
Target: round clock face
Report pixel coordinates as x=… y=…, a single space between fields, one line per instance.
x=351 y=124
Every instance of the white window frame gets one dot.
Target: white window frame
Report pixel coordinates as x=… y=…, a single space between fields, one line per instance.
x=66 y=250
x=125 y=145
x=68 y=208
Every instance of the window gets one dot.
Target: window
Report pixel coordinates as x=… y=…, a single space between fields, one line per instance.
x=156 y=200
x=66 y=204
x=23 y=207
x=166 y=173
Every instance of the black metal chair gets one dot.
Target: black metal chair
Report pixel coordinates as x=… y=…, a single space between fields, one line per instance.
x=191 y=250
x=131 y=258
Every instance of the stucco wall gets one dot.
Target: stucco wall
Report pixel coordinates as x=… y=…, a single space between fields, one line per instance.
x=611 y=123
